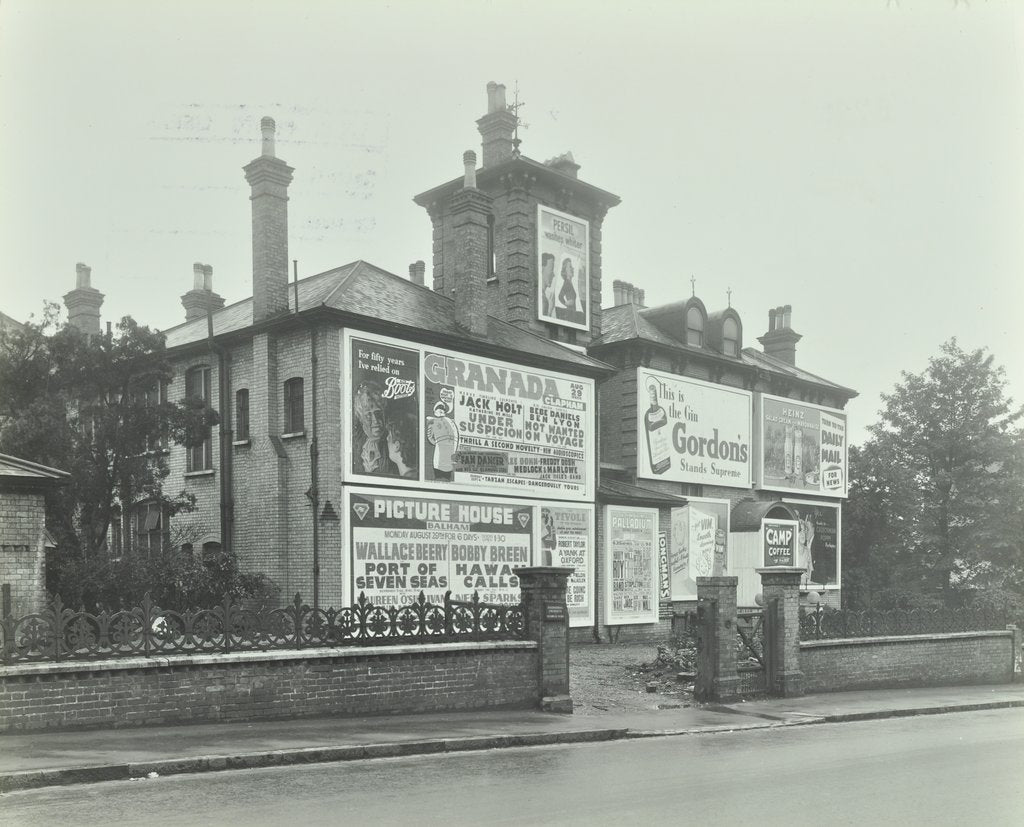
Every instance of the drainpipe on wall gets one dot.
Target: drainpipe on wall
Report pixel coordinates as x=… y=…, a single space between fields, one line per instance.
x=226 y=434
x=314 y=471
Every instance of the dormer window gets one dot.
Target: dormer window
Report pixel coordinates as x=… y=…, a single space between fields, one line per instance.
x=730 y=337
x=694 y=327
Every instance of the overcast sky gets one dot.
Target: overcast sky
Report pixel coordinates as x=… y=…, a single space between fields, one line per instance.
x=860 y=161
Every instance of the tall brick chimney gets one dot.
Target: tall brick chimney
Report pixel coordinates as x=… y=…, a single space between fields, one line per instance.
x=201 y=296
x=269 y=177
x=84 y=302
x=780 y=340
x=417 y=271
x=470 y=208
x=497 y=127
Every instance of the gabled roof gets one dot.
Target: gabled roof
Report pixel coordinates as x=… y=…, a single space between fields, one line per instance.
x=15 y=468
x=8 y=323
x=360 y=289
x=627 y=322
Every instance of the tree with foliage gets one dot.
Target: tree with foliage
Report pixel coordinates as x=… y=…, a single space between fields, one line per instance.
x=96 y=406
x=935 y=498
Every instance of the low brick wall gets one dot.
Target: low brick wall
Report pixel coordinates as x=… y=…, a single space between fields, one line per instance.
x=278 y=684
x=912 y=660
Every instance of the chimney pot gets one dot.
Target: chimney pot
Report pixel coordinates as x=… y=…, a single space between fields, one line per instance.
x=618 y=292
x=469 y=162
x=208 y=278
x=499 y=98
x=197 y=276
x=417 y=271
x=83 y=275
x=268 y=128
x=638 y=298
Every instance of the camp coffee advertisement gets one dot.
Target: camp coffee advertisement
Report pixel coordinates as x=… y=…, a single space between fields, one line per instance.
x=803 y=447
x=631 y=548
x=425 y=415
x=818 y=543
x=699 y=544
x=563 y=264
x=400 y=544
x=779 y=541
x=692 y=431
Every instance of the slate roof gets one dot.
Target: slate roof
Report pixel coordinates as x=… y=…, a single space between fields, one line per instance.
x=609 y=490
x=362 y=289
x=23 y=469
x=626 y=322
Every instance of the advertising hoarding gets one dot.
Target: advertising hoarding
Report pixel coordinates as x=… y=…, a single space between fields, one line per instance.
x=692 y=431
x=779 y=542
x=819 y=542
x=421 y=415
x=699 y=544
x=631 y=579
x=563 y=262
x=399 y=544
x=802 y=447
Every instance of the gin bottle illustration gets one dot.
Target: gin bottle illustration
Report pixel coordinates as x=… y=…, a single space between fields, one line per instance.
x=656 y=427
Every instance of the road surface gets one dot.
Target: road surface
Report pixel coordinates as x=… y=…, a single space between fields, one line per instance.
x=965 y=768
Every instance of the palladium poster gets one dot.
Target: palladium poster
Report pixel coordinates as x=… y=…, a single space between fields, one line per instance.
x=632 y=579
x=400 y=544
x=421 y=415
x=699 y=544
x=692 y=431
x=818 y=543
x=563 y=261
x=803 y=447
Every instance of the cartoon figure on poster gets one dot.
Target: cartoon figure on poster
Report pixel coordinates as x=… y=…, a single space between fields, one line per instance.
x=443 y=434
x=385 y=424
x=548 y=538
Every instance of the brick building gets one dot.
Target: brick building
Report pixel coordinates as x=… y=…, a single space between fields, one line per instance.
x=382 y=437
x=23 y=536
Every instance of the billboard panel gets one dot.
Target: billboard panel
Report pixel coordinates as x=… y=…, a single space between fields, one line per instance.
x=820 y=541
x=779 y=542
x=421 y=415
x=631 y=579
x=692 y=431
x=399 y=544
x=563 y=262
x=802 y=447
x=699 y=544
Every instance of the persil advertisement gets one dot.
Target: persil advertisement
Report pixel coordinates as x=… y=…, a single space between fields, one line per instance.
x=802 y=447
x=418 y=415
x=692 y=431
x=399 y=544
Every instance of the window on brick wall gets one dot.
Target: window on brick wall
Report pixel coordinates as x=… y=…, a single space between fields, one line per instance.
x=150 y=527
x=197 y=390
x=154 y=395
x=242 y=414
x=294 y=406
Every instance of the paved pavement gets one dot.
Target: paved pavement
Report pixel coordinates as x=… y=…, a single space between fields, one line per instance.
x=50 y=758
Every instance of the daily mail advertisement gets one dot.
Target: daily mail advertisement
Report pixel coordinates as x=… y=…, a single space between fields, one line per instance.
x=802 y=449
x=400 y=544
x=632 y=584
x=421 y=415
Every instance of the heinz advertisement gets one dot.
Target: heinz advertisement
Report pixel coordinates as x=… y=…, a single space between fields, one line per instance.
x=692 y=431
x=803 y=447
x=421 y=415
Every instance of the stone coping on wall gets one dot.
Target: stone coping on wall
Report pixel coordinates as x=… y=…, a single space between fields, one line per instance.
x=24 y=670
x=868 y=641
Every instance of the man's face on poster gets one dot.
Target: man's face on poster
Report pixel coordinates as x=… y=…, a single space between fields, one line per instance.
x=370 y=410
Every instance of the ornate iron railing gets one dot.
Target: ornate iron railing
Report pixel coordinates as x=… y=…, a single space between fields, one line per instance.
x=62 y=634
x=826 y=623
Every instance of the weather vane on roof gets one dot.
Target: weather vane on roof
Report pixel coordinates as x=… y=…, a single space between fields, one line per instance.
x=519 y=122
